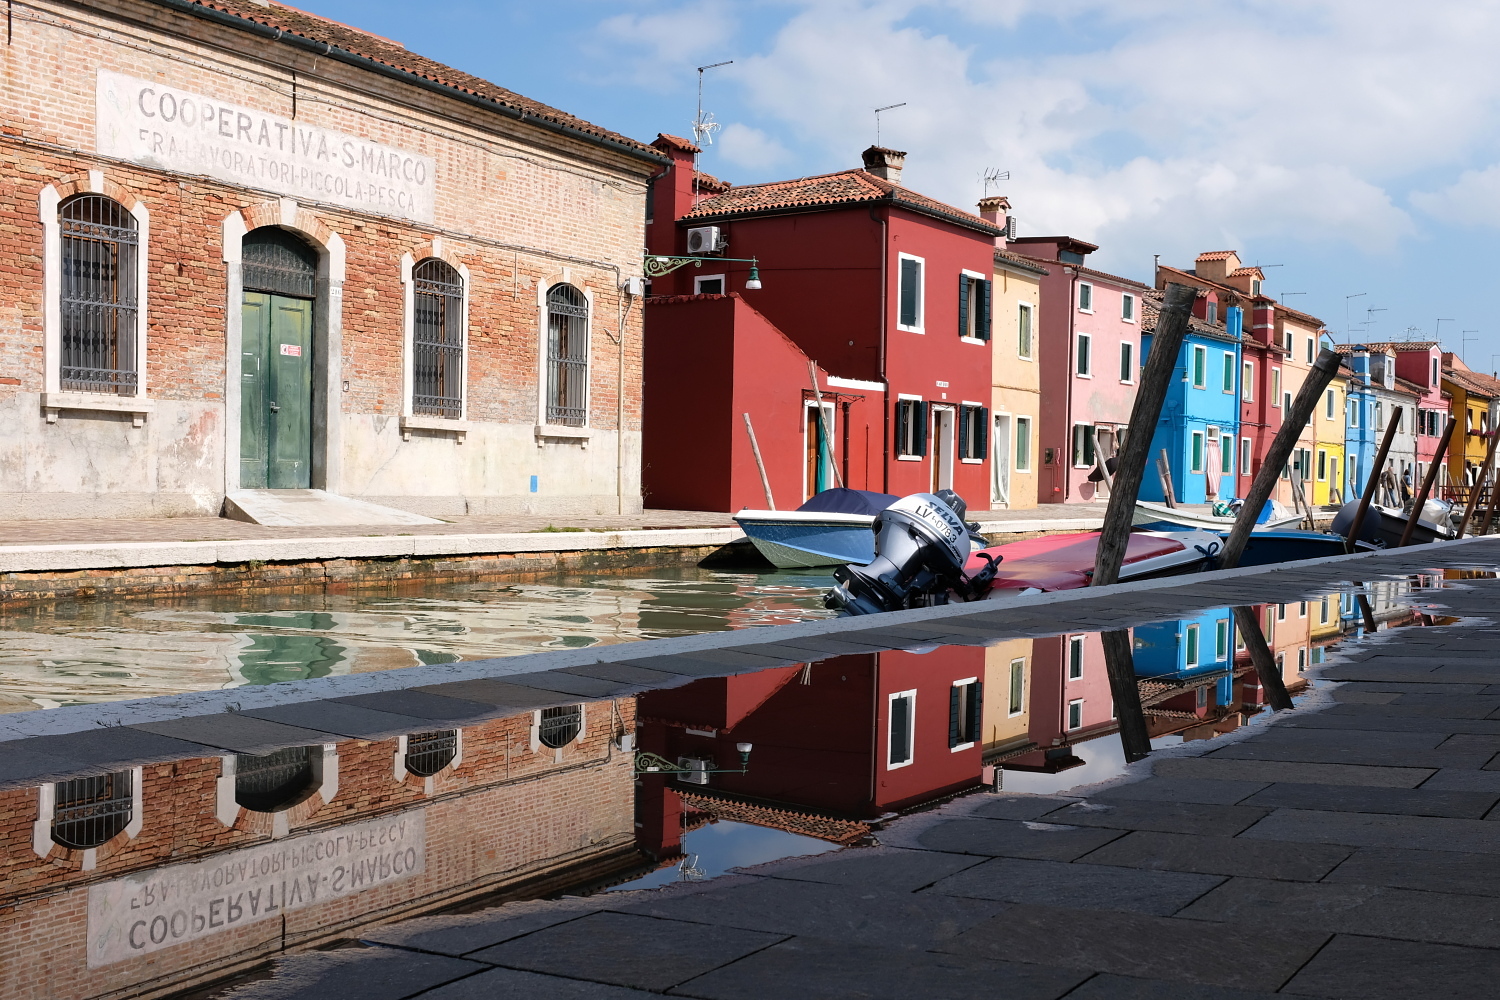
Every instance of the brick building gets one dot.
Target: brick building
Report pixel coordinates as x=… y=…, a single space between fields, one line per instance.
x=143 y=882
x=253 y=248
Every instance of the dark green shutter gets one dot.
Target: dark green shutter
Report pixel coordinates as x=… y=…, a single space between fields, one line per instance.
x=982 y=439
x=986 y=287
x=907 y=312
x=964 y=413
x=963 y=305
x=976 y=710
x=919 y=414
x=903 y=419
x=953 y=705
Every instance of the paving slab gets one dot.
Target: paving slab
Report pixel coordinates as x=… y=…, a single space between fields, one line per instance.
x=1431 y=871
x=458 y=934
x=1164 y=789
x=1134 y=944
x=1014 y=806
x=512 y=984
x=1464 y=780
x=1390 y=724
x=1322 y=753
x=95 y=751
x=1423 y=801
x=237 y=733
x=1379 y=911
x=1373 y=830
x=480 y=697
x=626 y=949
x=624 y=674
x=1107 y=986
x=1078 y=885
x=1367 y=968
x=425 y=705
x=1228 y=768
x=1180 y=852
x=855 y=913
x=356 y=974
x=1166 y=817
x=1016 y=839
x=888 y=868
x=827 y=970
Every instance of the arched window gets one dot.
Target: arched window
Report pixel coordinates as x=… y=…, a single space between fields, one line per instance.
x=429 y=753
x=437 y=339
x=567 y=356
x=560 y=726
x=274 y=781
x=99 y=295
x=275 y=261
x=88 y=811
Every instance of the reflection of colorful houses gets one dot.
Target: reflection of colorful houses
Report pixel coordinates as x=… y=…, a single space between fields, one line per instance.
x=1186 y=671
x=1006 y=720
x=841 y=741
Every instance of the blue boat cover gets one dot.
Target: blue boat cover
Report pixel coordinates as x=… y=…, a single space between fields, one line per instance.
x=845 y=501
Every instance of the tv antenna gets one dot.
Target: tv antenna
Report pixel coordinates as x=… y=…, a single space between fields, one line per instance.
x=704 y=125
x=888 y=107
x=993 y=175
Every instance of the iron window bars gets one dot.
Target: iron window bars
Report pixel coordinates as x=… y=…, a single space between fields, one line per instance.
x=275 y=261
x=268 y=782
x=429 y=753
x=99 y=296
x=88 y=811
x=567 y=356
x=560 y=726
x=437 y=339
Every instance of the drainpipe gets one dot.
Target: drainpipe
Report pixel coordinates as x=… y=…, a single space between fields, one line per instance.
x=1064 y=469
x=885 y=413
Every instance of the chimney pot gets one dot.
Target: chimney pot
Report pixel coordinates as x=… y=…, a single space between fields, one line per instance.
x=884 y=163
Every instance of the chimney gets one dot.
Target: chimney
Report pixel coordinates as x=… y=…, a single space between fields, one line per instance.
x=996 y=210
x=884 y=163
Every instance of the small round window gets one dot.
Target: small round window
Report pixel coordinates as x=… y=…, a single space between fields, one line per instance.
x=274 y=781
x=429 y=753
x=560 y=726
x=89 y=811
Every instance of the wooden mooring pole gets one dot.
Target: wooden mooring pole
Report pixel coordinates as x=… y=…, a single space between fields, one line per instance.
x=765 y=481
x=1427 y=481
x=1375 y=473
x=1271 y=681
x=1114 y=537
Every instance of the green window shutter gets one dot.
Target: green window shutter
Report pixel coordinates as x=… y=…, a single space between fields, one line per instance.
x=908 y=295
x=919 y=414
x=976 y=709
x=963 y=305
x=986 y=287
x=953 y=706
x=965 y=413
x=982 y=439
x=903 y=421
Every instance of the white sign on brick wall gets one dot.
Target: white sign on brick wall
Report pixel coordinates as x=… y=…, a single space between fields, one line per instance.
x=158 y=125
x=154 y=910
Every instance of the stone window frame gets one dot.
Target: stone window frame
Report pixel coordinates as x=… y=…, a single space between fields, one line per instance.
x=536 y=729
x=399 y=764
x=410 y=420
x=41 y=831
x=559 y=432
x=54 y=399
x=230 y=813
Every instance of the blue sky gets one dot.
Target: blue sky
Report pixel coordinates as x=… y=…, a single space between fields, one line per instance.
x=1353 y=142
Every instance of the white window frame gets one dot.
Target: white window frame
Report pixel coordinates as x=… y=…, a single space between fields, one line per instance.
x=1199 y=351
x=1076 y=703
x=1079 y=354
x=975 y=320
x=1026 y=423
x=699 y=279
x=1029 y=309
x=902 y=397
x=54 y=398
x=1192 y=645
x=1247 y=381
x=911 y=729
x=1090 y=307
x=46 y=811
x=1322 y=465
x=1328 y=404
x=1221 y=639
x=1229 y=369
x=1276 y=387
x=1127 y=308
x=411 y=420
x=544 y=429
x=1010 y=681
x=921 y=324
x=1226 y=454
x=1311 y=349
x=1247 y=455
x=1127 y=365
x=1076 y=460
x=1076 y=642
x=979 y=732
x=1197 y=454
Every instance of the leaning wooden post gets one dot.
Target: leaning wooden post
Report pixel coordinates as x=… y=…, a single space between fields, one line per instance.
x=1271 y=681
x=1489 y=514
x=812 y=370
x=1164 y=470
x=1375 y=473
x=765 y=481
x=1479 y=481
x=1114 y=537
x=1322 y=372
x=1427 y=481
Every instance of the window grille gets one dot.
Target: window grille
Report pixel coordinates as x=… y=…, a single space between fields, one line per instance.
x=429 y=753
x=437 y=339
x=99 y=295
x=273 y=260
x=560 y=726
x=273 y=781
x=89 y=811
x=567 y=356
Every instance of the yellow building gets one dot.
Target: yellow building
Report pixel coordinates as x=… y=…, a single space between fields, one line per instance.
x=1475 y=397
x=1006 y=719
x=1330 y=421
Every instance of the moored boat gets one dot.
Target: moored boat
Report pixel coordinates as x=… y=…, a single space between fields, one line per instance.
x=831 y=528
x=1384 y=526
x=1160 y=517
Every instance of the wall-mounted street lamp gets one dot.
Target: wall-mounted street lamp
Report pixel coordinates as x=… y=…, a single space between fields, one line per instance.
x=657 y=265
x=650 y=763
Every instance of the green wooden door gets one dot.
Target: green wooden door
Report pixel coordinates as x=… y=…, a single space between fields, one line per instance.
x=276 y=393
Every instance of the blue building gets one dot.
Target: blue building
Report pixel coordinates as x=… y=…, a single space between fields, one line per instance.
x=1189 y=649
x=1199 y=421
x=1374 y=393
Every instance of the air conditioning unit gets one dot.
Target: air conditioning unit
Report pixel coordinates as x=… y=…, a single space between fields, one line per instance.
x=705 y=239
x=697 y=770
x=1010 y=227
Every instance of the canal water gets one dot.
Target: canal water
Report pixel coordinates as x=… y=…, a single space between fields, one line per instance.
x=679 y=784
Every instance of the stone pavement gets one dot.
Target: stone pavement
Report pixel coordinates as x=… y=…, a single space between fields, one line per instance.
x=1347 y=851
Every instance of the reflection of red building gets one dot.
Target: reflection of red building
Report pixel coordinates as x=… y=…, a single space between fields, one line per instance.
x=888 y=291
x=850 y=738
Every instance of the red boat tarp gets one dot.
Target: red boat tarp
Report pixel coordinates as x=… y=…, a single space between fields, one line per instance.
x=1062 y=562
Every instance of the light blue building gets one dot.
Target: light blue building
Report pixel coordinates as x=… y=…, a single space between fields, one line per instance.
x=1374 y=393
x=1189 y=648
x=1199 y=421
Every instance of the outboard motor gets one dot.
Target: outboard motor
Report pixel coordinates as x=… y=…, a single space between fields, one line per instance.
x=921 y=548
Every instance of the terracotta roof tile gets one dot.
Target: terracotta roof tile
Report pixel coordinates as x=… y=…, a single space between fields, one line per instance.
x=1019 y=260
x=1411 y=387
x=290 y=20
x=675 y=142
x=1217 y=255
x=1151 y=310
x=1105 y=275
x=1388 y=345
x=1474 y=383
x=836 y=190
x=1252 y=272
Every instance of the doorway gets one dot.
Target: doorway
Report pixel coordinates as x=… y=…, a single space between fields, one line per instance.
x=942 y=451
x=1001 y=460
x=276 y=361
x=818 y=451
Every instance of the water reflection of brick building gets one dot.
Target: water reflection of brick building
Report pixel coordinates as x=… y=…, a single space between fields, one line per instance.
x=157 y=877
x=851 y=739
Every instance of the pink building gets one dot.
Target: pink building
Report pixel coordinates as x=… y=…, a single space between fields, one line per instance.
x=1089 y=351
x=1419 y=363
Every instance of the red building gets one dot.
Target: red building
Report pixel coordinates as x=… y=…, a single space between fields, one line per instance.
x=887 y=291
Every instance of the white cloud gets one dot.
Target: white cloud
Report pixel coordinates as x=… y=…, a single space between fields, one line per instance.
x=654 y=50
x=1473 y=200
x=747 y=147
